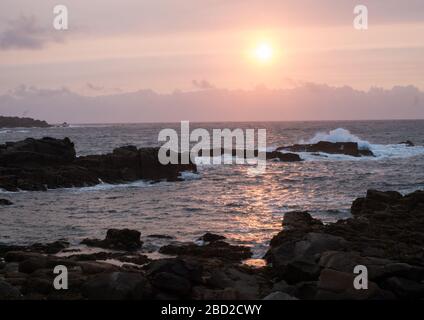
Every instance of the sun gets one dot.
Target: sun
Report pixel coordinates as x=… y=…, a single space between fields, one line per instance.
x=263 y=52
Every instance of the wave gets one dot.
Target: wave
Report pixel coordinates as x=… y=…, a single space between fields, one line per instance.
x=381 y=151
x=339 y=135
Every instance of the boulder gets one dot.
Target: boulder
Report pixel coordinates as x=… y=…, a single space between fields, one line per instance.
x=117 y=286
x=172 y=283
x=8 y=292
x=300 y=220
x=182 y=268
x=125 y=239
x=335 y=285
x=210 y=237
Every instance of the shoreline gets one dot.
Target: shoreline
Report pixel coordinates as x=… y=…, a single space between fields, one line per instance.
x=306 y=260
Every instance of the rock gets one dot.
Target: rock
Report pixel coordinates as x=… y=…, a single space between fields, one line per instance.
x=347 y=148
x=308 y=248
x=171 y=283
x=299 y=271
x=117 y=286
x=202 y=293
x=279 y=296
x=160 y=236
x=285 y=157
x=16 y=122
x=210 y=237
x=32 y=264
x=335 y=285
x=48 y=163
x=5 y=202
x=18 y=256
x=299 y=220
x=125 y=239
x=247 y=283
x=50 y=248
x=188 y=270
x=408 y=143
x=405 y=288
x=8 y=292
x=97 y=267
x=217 y=249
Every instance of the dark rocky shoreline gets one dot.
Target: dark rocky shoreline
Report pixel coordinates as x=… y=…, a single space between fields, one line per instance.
x=306 y=260
x=16 y=122
x=48 y=163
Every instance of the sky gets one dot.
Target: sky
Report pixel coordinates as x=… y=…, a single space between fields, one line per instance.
x=113 y=50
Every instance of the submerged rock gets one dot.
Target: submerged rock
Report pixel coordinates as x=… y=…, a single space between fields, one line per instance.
x=347 y=148
x=211 y=237
x=5 y=202
x=408 y=143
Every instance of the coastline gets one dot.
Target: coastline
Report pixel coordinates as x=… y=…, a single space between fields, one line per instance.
x=306 y=260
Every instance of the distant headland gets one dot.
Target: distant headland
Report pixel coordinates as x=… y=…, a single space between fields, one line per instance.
x=16 y=122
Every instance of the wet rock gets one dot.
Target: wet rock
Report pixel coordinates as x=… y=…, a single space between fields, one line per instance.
x=117 y=286
x=5 y=202
x=217 y=249
x=285 y=157
x=347 y=148
x=48 y=163
x=211 y=237
x=125 y=239
x=408 y=143
x=160 y=236
x=8 y=292
x=300 y=220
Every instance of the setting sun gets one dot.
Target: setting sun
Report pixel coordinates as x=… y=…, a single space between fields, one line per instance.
x=264 y=52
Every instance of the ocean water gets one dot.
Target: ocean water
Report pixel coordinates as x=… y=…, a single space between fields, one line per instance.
x=223 y=199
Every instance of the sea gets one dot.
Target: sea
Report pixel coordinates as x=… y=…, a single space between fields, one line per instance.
x=223 y=199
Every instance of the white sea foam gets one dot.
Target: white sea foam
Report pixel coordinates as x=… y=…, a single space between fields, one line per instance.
x=381 y=151
x=339 y=135
x=107 y=186
x=188 y=175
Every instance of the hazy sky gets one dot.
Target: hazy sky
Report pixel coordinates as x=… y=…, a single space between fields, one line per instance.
x=114 y=46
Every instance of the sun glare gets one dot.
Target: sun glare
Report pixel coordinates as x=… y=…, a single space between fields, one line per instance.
x=263 y=52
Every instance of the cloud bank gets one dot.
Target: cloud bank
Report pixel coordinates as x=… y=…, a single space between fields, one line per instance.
x=307 y=102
